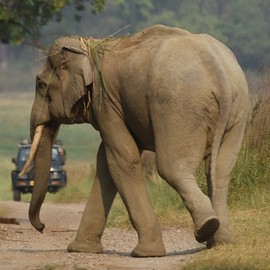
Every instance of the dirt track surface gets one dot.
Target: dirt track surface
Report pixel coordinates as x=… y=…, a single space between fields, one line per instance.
x=23 y=248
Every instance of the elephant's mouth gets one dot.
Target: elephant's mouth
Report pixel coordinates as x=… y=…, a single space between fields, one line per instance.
x=33 y=150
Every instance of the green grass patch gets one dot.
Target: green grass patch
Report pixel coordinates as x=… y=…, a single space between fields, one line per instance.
x=250 y=186
x=166 y=202
x=80 y=176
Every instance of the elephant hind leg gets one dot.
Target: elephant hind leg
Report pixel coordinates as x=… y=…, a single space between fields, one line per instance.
x=178 y=162
x=205 y=220
x=225 y=163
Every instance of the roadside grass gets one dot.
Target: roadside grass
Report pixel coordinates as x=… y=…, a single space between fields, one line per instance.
x=5 y=178
x=250 y=185
x=78 y=184
x=249 y=208
x=251 y=250
x=166 y=203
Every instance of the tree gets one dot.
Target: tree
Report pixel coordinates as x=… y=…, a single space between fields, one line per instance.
x=134 y=11
x=243 y=25
x=247 y=31
x=21 y=21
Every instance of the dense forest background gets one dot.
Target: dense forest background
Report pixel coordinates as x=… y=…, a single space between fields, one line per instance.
x=243 y=25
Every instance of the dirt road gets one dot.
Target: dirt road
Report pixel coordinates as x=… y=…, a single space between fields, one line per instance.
x=23 y=248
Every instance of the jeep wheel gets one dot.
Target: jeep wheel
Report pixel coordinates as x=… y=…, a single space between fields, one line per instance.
x=16 y=195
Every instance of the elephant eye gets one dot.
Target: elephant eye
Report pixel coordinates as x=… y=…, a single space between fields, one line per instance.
x=41 y=84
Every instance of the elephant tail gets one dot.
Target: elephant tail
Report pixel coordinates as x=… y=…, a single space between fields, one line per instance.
x=225 y=106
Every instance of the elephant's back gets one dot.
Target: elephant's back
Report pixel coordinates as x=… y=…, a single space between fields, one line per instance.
x=154 y=34
x=196 y=62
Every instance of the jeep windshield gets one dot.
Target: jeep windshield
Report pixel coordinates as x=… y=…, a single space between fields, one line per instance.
x=24 y=152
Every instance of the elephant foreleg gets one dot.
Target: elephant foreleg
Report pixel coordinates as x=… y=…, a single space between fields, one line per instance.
x=95 y=215
x=123 y=159
x=133 y=191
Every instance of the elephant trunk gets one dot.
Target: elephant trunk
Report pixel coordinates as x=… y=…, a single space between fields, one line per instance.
x=42 y=160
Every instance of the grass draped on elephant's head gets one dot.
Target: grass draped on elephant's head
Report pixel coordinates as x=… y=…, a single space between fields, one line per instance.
x=95 y=48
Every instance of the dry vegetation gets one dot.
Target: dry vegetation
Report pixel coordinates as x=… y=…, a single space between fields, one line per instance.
x=258 y=129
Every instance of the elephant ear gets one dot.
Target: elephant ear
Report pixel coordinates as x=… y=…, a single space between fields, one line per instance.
x=78 y=82
x=85 y=64
x=87 y=71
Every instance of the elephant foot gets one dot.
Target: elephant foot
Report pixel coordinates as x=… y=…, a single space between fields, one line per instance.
x=207 y=230
x=152 y=249
x=87 y=247
x=221 y=237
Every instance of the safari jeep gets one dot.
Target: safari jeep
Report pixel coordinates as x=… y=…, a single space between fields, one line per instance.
x=25 y=184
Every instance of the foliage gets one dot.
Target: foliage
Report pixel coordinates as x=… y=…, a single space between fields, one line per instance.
x=21 y=20
x=249 y=38
x=231 y=22
x=243 y=25
x=134 y=11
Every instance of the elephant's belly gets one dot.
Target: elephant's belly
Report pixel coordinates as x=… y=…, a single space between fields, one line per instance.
x=143 y=137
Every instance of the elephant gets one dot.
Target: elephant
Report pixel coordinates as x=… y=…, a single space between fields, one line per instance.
x=181 y=95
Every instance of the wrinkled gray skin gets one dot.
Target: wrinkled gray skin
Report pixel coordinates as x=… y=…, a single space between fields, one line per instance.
x=181 y=95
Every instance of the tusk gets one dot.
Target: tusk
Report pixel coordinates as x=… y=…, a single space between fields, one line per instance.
x=33 y=150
